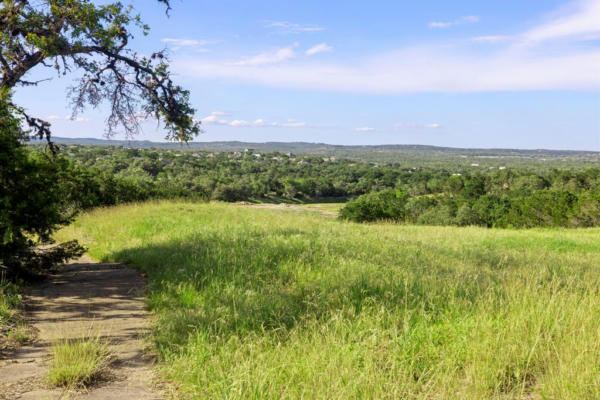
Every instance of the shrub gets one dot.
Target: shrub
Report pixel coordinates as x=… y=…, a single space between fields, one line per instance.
x=444 y=214
x=34 y=202
x=384 y=205
x=417 y=206
x=466 y=216
x=232 y=192
x=542 y=208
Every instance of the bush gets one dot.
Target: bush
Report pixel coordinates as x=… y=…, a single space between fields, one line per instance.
x=232 y=192
x=465 y=216
x=34 y=201
x=417 y=206
x=542 y=208
x=384 y=205
x=443 y=214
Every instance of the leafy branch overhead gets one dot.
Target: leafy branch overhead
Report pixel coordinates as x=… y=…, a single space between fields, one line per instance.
x=69 y=35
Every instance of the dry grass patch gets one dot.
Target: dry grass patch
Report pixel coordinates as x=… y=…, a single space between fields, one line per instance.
x=79 y=362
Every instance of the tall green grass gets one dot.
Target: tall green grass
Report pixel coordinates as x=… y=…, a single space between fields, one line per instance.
x=78 y=362
x=268 y=304
x=10 y=300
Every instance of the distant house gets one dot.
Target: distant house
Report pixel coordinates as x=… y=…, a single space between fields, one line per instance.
x=501 y=167
x=290 y=155
x=196 y=155
x=474 y=165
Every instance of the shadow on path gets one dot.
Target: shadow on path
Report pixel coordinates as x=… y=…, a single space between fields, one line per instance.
x=84 y=299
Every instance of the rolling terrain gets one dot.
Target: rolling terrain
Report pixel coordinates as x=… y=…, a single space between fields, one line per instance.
x=267 y=303
x=393 y=153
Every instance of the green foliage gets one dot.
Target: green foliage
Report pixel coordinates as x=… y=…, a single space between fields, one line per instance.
x=40 y=191
x=92 y=38
x=10 y=301
x=267 y=304
x=34 y=201
x=376 y=206
x=517 y=198
x=541 y=208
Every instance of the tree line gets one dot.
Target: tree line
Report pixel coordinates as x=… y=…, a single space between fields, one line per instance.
x=497 y=197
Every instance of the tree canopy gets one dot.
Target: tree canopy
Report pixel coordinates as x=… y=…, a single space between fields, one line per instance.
x=37 y=190
x=69 y=35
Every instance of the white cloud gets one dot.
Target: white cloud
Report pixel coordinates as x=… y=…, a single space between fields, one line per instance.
x=467 y=19
x=216 y=118
x=294 y=124
x=544 y=64
x=197 y=45
x=577 y=20
x=67 y=118
x=416 y=126
x=319 y=48
x=493 y=39
x=364 y=129
x=427 y=69
x=289 y=27
x=239 y=122
x=275 y=57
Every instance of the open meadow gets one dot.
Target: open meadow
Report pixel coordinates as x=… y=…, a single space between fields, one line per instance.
x=268 y=303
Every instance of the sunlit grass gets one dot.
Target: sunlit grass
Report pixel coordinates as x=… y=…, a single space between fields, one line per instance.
x=255 y=303
x=333 y=207
x=78 y=362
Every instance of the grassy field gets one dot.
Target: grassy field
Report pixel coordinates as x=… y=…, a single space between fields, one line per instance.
x=259 y=303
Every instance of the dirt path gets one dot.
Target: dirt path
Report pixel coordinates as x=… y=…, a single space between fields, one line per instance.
x=85 y=298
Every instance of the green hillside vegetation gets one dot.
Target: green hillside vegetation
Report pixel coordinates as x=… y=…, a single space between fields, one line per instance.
x=407 y=155
x=258 y=303
x=494 y=196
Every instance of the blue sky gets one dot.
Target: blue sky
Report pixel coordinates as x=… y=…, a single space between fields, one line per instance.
x=519 y=74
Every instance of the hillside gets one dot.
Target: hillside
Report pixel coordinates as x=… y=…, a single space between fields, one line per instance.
x=274 y=304
x=376 y=153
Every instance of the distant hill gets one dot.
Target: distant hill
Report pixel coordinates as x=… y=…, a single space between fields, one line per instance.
x=374 y=153
x=317 y=147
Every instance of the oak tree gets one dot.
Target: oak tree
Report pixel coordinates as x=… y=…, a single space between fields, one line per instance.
x=68 y=36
